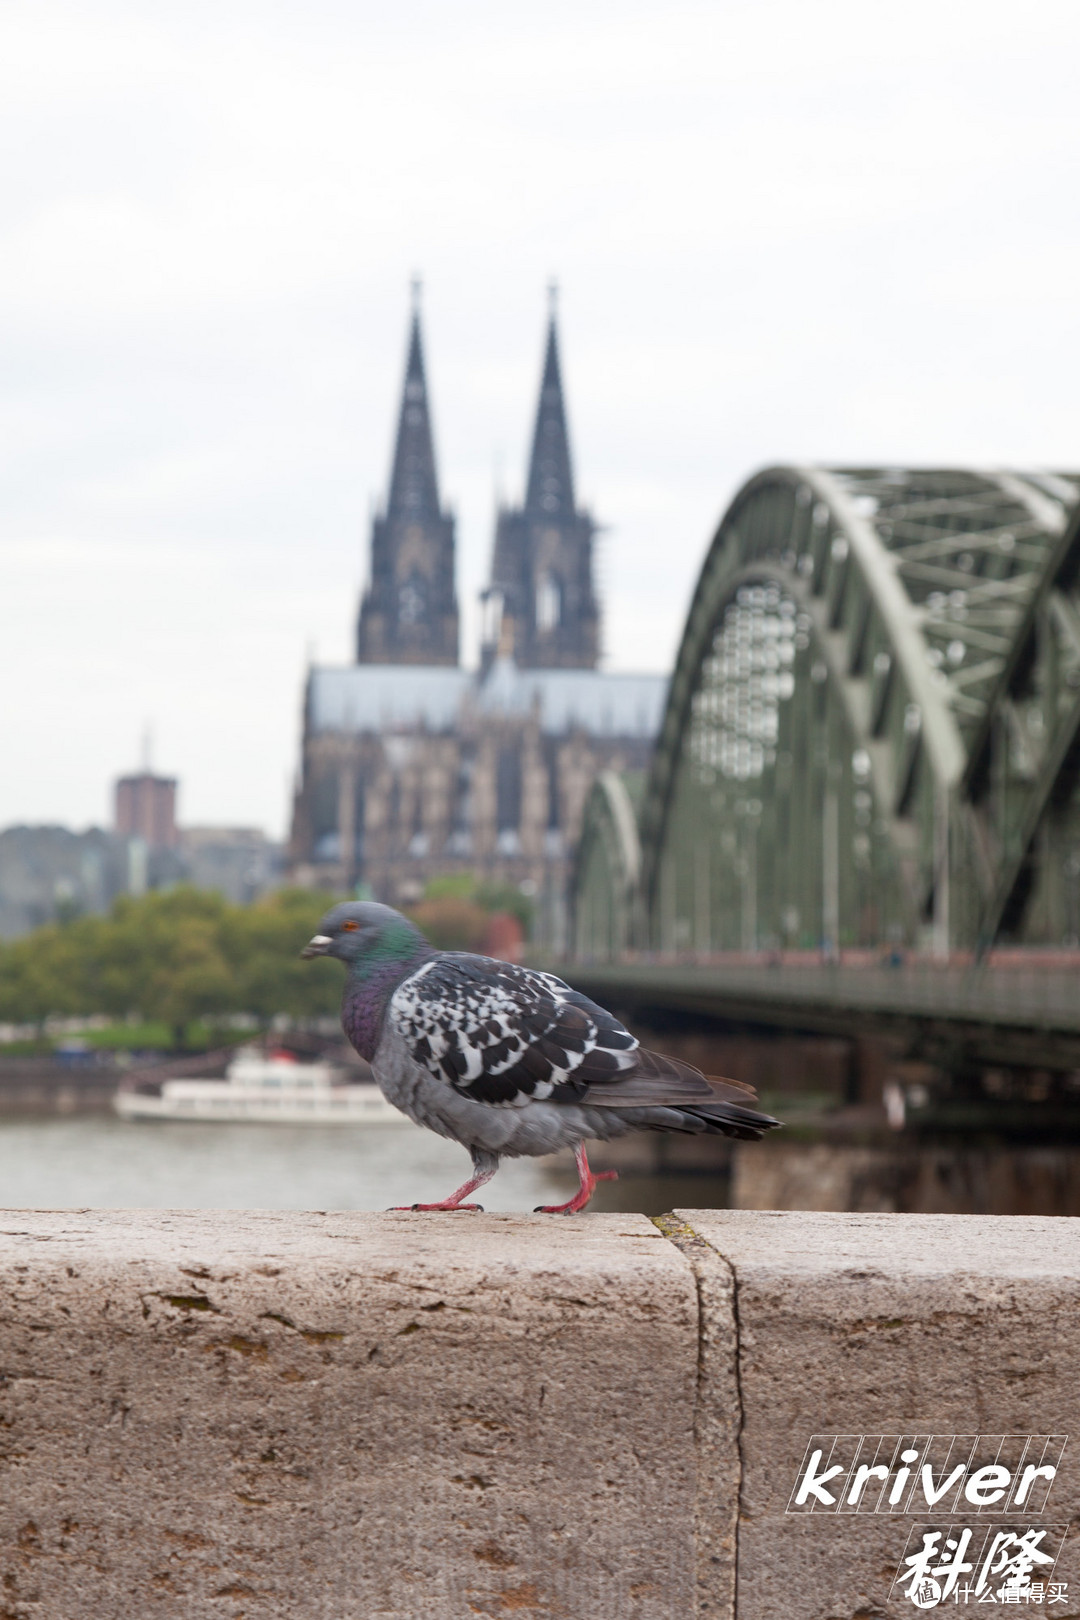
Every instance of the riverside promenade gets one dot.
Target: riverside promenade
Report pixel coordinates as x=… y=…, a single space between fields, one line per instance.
x=272 y=1416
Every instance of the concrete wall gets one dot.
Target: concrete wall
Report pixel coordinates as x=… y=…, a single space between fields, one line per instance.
x=423 y=1417
x=883 y=1324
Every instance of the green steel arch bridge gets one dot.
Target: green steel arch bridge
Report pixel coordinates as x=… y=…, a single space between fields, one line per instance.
x=870 y=753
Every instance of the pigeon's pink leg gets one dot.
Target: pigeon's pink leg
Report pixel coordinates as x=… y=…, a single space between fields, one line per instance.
x=480 y=1179
x=587 y=1187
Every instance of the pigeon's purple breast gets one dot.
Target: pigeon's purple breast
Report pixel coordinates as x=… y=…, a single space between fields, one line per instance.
x=363 y=1005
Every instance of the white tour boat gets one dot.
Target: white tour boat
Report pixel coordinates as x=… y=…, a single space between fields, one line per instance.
x=273 y=1089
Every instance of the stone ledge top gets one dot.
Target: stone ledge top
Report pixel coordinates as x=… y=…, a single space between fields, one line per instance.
x=224 y=1240
x=754 y=1241
x=783 y=1242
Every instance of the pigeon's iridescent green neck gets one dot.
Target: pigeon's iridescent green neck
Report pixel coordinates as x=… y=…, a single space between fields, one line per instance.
x=372 y=980
x=399 y=945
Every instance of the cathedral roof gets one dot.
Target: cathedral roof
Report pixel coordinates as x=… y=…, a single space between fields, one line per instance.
x=396 y=697
x=390 y=697
x=603 y=705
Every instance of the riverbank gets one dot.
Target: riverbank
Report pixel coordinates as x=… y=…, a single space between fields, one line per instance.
x=43 y=1086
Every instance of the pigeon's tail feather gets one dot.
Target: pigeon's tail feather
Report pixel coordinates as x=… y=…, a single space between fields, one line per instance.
x=745 y=1124
x=664 y=1094
x=742 y=1086
x=656 y=1078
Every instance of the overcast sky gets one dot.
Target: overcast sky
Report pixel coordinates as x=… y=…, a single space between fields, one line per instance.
x=832 y=231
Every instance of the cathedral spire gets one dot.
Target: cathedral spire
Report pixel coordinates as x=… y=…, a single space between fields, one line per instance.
x=414 y=484
x=542 y=568
x=549 y=492
x=409 y=613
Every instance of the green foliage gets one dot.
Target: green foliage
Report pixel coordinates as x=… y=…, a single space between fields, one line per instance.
x=173 y=958
x=451 y=923
x=452 y=886
x=264 y=942
x=184 y=957
x=149 y=1037
x=509 y=898
x=486 y=897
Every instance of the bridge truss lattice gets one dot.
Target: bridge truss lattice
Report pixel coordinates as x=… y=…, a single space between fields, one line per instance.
x=873 y=728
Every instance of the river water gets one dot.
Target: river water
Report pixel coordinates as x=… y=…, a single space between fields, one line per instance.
x=95 y=1161
x=87 y=1161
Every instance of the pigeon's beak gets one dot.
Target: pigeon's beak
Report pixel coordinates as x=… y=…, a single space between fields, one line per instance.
x=317 y=946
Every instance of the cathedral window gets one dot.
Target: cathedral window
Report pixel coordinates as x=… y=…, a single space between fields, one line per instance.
x=393 y=816
x=411 y=601
x=508 y=799
x=460 y=841
x=419 y=843
x=493 y=612
x=548 y=603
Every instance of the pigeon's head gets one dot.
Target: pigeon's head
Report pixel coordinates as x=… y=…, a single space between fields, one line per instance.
x=362 y=934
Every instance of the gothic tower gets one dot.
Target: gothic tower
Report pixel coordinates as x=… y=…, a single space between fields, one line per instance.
x=541 y=595
x=409 y=614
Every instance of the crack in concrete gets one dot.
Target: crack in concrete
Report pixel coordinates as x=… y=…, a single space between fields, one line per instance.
x=718 y=1421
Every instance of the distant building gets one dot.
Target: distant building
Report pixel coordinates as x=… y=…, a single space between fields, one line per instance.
x=411 y=772
x=48 y=873
x=240 y=863
x=146 y=809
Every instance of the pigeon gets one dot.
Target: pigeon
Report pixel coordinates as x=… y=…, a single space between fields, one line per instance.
x=508 y=1060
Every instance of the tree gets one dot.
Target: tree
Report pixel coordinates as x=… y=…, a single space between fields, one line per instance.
x=41 y=977
x=162 y=956
x=175 y=957
x=451 y=923
x=459 y=913
x=263 y=943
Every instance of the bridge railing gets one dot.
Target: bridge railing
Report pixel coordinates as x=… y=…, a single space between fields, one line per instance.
x=1039 y=993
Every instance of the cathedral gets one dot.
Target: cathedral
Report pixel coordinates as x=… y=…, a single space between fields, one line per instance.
x=413 y=766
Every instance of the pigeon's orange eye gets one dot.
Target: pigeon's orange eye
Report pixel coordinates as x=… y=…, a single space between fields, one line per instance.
x=349 y=927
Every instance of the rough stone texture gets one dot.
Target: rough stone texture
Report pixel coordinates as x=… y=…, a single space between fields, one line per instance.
x=349 y=1417
x=856 y=1324
x=419 y=1417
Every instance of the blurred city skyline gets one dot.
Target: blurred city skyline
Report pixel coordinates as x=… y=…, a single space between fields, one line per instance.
x=780 y=234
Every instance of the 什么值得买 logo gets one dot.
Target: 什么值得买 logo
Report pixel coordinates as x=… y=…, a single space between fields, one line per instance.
x=1008 y=1563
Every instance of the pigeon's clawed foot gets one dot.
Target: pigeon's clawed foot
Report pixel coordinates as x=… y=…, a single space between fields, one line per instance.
x=587 y=1179
x=447 y=1204
x=484 y=1167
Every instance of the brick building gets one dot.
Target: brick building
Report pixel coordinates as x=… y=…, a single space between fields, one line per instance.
x=145 y=807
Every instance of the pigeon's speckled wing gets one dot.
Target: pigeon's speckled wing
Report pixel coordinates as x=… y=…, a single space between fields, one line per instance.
x=505 y=1035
